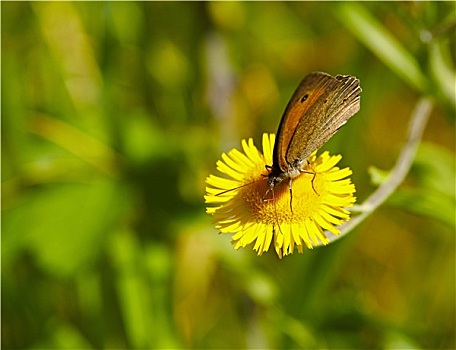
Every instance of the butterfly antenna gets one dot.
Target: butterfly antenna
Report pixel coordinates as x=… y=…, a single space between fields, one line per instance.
x=236 y=188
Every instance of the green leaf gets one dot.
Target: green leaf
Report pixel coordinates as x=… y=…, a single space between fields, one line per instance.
x=377 y=176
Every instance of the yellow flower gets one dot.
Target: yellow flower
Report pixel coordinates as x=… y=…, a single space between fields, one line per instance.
x=245 y=206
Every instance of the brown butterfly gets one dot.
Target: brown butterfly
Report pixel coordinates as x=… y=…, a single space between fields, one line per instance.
x=318 y=108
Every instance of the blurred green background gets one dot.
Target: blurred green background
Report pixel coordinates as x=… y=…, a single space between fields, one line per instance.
x=114 y=113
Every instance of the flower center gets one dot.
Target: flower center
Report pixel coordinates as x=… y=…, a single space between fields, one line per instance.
x=279 y=204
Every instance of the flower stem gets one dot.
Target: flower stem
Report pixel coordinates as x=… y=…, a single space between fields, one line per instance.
x=397 y=175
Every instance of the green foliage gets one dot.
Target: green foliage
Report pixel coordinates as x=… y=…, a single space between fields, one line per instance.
x=433 y=191
x=382 y=43
x=113 y=114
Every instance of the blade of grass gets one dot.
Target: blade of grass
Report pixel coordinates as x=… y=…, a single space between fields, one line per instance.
x=380 y=41
x=441 y=70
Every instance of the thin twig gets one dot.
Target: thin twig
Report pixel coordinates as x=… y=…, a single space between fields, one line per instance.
x=397 y=175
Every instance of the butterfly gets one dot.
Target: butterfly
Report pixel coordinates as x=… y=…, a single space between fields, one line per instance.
x=320 y=105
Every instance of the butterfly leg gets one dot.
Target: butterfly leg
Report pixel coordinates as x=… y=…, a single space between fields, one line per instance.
x=291 y=195
x=275 y=212
x=312 y=182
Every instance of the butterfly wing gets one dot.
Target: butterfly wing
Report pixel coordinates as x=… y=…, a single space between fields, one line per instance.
x=319 y=107
x=305 y=96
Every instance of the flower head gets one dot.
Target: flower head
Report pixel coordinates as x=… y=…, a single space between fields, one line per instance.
x=291 y=214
